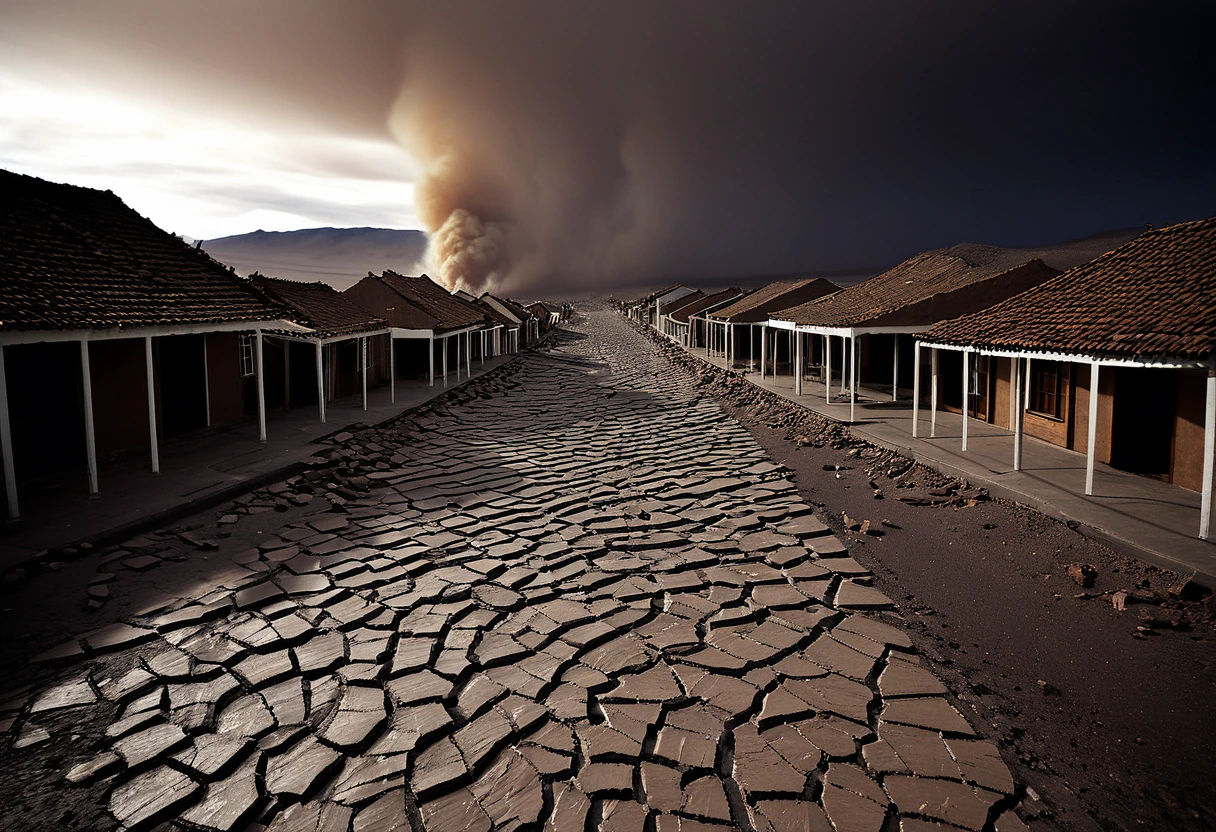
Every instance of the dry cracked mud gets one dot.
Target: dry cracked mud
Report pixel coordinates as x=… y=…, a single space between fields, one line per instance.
x=577 y=597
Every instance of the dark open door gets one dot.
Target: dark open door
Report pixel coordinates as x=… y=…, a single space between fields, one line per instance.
x=1142 y=429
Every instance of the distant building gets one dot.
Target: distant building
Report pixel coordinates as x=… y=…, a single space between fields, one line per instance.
x=344 y=350
x=425 y=319
x=114 y=334
x=1115 y=358
x=749 y=314
x=687 y=323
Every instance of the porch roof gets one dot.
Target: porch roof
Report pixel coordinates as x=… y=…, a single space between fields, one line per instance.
x=1152 y=297
x=780 y=294
x=706 y=302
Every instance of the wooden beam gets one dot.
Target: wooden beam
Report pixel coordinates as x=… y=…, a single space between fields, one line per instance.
x=152 y=443
x=90 y=440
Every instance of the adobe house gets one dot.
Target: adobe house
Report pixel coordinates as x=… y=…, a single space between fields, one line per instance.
x=688 y=322
x=666 y=310
x=753 y=310
x=421 y=313
x=642 y=309
x=343 y=346
x=1138 y=326
x=114 y=334
x=869 y=317
x=524 y=322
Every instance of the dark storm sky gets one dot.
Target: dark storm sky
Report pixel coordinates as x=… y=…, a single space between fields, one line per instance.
x=599 y=144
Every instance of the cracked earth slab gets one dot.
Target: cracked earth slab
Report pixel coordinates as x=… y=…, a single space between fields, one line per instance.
x=580 y=598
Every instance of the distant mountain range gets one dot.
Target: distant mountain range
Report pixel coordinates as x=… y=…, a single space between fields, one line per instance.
x=337 y=256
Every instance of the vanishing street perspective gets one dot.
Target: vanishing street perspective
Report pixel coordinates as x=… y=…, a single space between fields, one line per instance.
x=607 y=417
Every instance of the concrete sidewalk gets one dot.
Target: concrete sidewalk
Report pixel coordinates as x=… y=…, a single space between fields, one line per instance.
x=1146 y=518
x=201 y=469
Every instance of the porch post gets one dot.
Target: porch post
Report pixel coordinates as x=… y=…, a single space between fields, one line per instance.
x=363 y=366
x=286 y=374
x=827 y=368
x=320 y=381
x=261 y=390
x=966 y=362
x=206 y=382
x=392 y=369
x=6 y=446
x=846 y=360
x=1090 y=451
x=151 y=405
x=468 y=355
x=797 y=363
x=853 y=378
x=895 y=370
x=483 y=348
x=430 y=373
x=1019 y=412
x=763 y=351
x=915 y=387
x=1209 y=453
x=933 y=393
x=90 y=442
x=445 y=359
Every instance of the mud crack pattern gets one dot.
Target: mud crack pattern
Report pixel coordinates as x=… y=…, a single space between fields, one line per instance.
x=581 y=598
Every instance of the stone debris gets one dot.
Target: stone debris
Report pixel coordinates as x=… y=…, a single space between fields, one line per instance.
x=571 y=594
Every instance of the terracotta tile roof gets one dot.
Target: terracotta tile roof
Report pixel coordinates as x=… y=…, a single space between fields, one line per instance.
x=679 y=303
x=707 y=302
x=780 y=294
x=927 y=288
x=1152 y=297
x=516 y=309
x=77 y=258
x=494 y=315
x=319 y=306
x=448 y=311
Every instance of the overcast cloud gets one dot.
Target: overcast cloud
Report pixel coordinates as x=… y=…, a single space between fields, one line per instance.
x=580 y=145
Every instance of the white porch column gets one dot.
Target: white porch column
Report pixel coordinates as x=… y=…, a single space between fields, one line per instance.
x=1090 y=450
x=321 y=381
x=206 y=382
x=933 y=393
x=153 y=445
x=1209 y=453
x=392 y=369
x=846 y=358
x=6 y=446
x=853 y=348
x=90 y=442
x=468 y=355
x=915 y=388
x=430 y=374
x=483 y=348
x=457 y=356
x=363 y=353
x=1019 y=412
x=763 y=351
x=445 y=359
x=261 y=389
x=827 y=368
x=966 y=379
x=797 y=363
x=895 y=370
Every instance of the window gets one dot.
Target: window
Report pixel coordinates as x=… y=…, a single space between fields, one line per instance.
x=1045 y=387
x=247 y=360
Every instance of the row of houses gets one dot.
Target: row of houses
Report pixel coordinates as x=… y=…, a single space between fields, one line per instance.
x=1106 y=346
x=115 y=335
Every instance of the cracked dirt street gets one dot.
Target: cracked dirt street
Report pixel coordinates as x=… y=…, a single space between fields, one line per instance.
x=579 y=596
